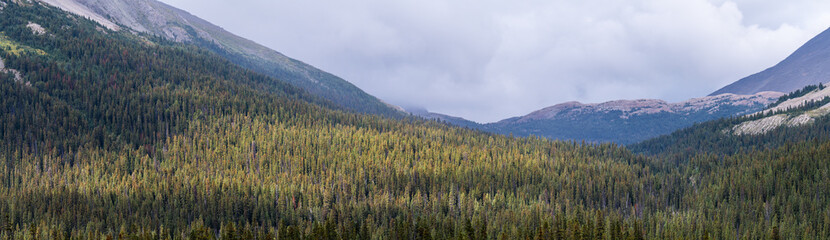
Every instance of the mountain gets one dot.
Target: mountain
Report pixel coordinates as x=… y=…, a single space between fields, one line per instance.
x=622 y=121
x=803 y=115
x=630 y=121
x=109 y=135
x=156 y=18
x=809 y=65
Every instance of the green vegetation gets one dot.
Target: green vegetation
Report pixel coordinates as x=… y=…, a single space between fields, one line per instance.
x=714 y=137
x=117 y=138
x=798 y=93
x=10 y=47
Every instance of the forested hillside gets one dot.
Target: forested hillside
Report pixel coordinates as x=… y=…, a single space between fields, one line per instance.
x=719 y=137
x=159 y=19
x=109 y=135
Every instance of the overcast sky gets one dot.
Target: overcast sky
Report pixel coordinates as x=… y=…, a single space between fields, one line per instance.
x=487 y=60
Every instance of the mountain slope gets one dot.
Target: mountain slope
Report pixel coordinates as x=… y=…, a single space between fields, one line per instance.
x=119 y=137
x=123 y=137
x=632 y=121
x=154 y=17
x=455 y=121
x=809 y=65
x=627 y=121
x=794 y=118
x=115 y=87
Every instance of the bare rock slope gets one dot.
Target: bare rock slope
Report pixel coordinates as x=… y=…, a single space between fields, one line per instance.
x=788 y=119
x=77 y=8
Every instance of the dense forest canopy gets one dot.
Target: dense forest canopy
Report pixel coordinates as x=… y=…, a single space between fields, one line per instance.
x=118 y=135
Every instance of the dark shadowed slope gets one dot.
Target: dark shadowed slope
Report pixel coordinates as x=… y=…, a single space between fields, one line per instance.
x=809 y=65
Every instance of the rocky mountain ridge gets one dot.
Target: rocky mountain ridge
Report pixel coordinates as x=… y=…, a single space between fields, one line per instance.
x=156 y=18
x=630 y=108
x=628 y=121
x=620 y=121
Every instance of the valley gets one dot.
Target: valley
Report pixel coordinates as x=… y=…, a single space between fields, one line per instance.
x=112 y=133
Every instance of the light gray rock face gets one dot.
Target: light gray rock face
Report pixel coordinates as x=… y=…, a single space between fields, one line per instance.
x=36 y=28
x=770 y=123
x=138 y=15
x=815 y=95
x=144 y=16
x=77 y=8
x=17 y=76
x=154 y=17
x=760 y=126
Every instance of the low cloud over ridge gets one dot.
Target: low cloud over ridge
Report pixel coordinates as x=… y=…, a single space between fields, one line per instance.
x=489 y=60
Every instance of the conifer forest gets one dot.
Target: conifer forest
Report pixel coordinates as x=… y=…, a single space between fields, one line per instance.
x=115 y=135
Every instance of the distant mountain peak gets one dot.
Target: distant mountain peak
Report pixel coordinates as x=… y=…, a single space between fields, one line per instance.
x=629 y=108
x=628 y=121
x=809 y=65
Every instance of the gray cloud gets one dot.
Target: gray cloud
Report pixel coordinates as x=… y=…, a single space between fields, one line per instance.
x=489 y=60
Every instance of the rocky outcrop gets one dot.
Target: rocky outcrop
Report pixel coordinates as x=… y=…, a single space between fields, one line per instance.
x=792 y=119
x=36 y=28
x=17 y=76
x=77 y=8
x=761 y=125
x=816 y=95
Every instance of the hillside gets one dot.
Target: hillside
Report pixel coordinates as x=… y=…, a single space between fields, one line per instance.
x=795 y=117
x=451 y=120
x=157 y=18
x=632 y=121
x=110 y=135
x=121 y=136
x=809 y=65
